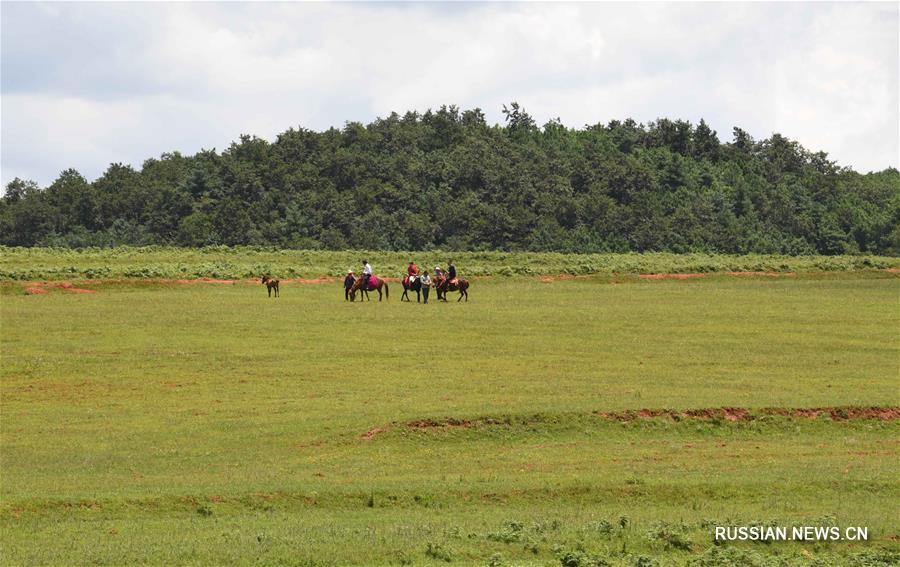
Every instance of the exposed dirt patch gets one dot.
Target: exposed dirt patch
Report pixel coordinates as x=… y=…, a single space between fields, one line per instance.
x=443 y=423
x=892 y=270
x=79 y=290
x=70 y=288
x=558 y=277
x=372 y=433
x=192 y=282
x=729 y=414
x=40 y=288
x=744 y=414
x=763 y=274
x=670 y=276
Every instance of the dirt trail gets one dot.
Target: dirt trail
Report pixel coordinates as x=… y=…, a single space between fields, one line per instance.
x=40 y=288
x=670 y=276
x=837 y=413
x=764 y=274
x=730 y=414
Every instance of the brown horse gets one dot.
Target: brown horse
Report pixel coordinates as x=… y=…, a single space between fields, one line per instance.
x=377 y=286
x=270 y=285
x=412 y=284
x=458 y=284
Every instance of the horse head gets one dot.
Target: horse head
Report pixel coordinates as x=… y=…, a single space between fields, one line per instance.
x=357 y=281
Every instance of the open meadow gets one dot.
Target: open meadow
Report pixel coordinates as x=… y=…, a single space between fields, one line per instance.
x=164 y=423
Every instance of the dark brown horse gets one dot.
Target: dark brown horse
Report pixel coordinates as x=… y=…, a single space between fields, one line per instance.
x=377 y=286
x=457 y=284
x=412 y=284
x=270 y=285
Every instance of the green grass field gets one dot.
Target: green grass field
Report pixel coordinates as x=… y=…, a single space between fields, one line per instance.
x=208 y=424
x=248 y=262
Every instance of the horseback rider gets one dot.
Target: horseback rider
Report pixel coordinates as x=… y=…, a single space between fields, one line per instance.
x=367 y=273
x=412 y=272
x=451 y=275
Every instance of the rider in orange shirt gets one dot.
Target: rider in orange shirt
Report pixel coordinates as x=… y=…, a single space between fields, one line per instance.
x=411 y=271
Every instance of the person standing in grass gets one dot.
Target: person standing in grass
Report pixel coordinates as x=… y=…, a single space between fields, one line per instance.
x=348 y=283
x=426 y=285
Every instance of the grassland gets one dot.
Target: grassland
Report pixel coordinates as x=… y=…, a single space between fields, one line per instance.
x=240 y=262
x=176 y=424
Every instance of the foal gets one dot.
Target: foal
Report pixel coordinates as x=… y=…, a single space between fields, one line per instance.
x=270 y=285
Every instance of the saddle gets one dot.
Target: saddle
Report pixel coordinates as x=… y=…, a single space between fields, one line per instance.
x=409 y=280
x=373 y=283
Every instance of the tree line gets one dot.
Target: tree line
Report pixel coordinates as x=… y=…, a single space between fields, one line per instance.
x=447 y=179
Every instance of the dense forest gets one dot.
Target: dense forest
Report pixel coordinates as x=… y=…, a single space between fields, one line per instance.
x=447 y=179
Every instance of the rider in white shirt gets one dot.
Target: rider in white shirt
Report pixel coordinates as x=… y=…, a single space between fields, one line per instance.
x=367 y=272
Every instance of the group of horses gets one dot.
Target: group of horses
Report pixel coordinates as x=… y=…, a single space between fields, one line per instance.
x=413 y=283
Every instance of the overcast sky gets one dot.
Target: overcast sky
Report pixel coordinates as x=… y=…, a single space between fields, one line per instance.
x=84 y=85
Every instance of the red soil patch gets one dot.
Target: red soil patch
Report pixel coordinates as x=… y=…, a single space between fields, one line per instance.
x=669 y=276
x=38 y=288
x=766 y=274
x=191 y=282
x=69 y=288
x=892 y=270
x=372 y=433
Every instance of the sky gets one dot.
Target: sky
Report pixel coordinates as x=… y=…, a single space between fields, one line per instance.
x=83 y=85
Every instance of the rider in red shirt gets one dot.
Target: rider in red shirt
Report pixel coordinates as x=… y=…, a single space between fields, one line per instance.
x=411 y=271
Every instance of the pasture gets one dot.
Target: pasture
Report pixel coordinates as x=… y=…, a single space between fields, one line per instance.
x=208 y=424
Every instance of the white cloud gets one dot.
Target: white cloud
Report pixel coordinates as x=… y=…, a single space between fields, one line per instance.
x=84 y=85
